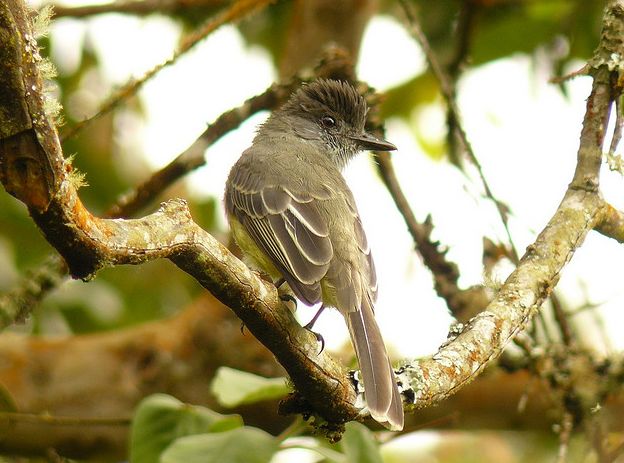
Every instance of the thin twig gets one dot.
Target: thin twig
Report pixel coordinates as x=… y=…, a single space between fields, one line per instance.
x=447 y=91
x=463 y=32
x=235 y=12
x=564 y=437
x=445 y=273
x=134 y=7
x=541 y=321
x=193 y=157
x=561 y=318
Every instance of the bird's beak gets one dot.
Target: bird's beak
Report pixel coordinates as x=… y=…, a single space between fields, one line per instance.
x=368 y=142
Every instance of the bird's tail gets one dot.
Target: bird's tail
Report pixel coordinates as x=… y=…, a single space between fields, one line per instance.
x=380 y=387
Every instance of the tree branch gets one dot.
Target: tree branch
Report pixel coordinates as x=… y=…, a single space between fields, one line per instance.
x=445 y=274
x=611 y=223
x=134 y=7
x=448 y=92
x=486 y=335
x=193 y=157
x=88 y=243
x=18 y=303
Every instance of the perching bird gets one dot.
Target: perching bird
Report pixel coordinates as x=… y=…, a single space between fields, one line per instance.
x=294 y=217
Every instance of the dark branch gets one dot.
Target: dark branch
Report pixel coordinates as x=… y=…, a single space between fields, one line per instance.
x=445 y=273
x=448 y=92
x=193 y=157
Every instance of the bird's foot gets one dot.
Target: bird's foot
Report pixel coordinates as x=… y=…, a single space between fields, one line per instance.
x=283 y=295
x=318 y=336
x=288 y=298
x=311 y=323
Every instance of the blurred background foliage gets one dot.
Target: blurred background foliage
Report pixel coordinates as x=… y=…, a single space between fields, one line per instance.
x=558 y=31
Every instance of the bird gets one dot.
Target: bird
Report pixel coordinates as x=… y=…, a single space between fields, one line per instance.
x=294 y=217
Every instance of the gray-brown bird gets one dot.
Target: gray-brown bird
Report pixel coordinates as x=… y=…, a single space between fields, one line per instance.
x=293 y=215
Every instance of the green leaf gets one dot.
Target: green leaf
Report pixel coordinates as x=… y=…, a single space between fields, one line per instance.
x=161 y=419
x=359 y=445
x=234 y=387
x=242 y=445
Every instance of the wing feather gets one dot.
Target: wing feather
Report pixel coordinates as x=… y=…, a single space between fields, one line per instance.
x=288 y=227
x=364 y=247
x=310 y=217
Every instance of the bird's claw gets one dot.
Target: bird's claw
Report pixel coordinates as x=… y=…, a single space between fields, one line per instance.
x=318 y=336
x=288 y=298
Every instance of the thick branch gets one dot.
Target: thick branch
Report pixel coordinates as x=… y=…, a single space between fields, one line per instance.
x=487 y=334
x=88 y=243
x=23 y=298
x=537 y=273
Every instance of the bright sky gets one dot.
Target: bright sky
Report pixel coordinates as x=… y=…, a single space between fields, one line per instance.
x=523 y=130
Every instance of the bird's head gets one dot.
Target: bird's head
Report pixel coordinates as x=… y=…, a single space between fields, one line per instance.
x=332 y=113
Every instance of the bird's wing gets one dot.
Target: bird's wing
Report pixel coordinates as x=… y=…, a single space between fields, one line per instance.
x=287 y=226
x=363 y=246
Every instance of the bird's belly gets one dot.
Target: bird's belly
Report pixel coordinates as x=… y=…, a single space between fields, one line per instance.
x=328 y=292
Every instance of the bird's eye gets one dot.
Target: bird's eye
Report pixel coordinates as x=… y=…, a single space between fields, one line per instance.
x=328 y=122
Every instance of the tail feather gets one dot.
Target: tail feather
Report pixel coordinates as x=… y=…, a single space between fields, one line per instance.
x=380 y=387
